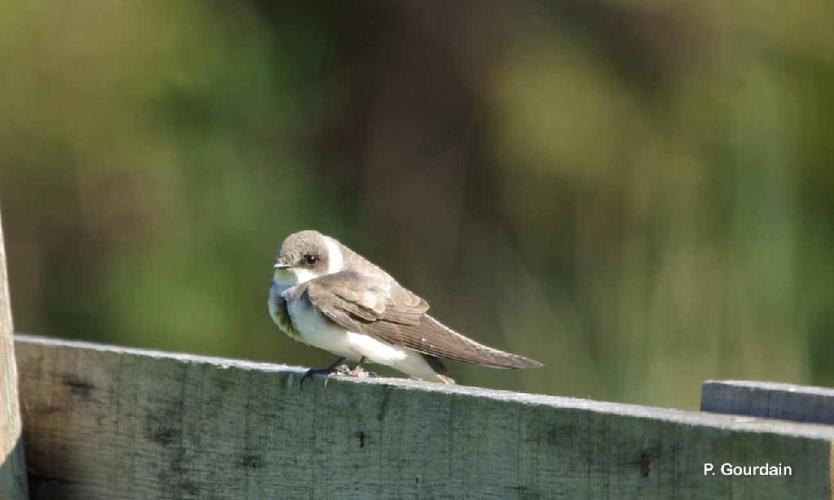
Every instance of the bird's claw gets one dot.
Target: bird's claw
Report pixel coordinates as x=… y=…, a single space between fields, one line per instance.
x=340 y=370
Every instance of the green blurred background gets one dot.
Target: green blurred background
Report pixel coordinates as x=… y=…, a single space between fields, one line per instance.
x=639 y=194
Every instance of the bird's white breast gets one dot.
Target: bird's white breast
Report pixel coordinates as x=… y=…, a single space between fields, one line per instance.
x=310 y=326
x=317 y=331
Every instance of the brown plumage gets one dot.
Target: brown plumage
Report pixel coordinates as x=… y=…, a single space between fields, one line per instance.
x=393 y=314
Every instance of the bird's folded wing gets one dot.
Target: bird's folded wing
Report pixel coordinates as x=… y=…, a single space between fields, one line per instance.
x=365 y=299
x=388 y=312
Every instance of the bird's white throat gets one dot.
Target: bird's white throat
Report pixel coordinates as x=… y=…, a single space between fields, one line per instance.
x=288 y=278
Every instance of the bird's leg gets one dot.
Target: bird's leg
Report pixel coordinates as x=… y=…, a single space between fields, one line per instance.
x=360 y=372
x=322 y=371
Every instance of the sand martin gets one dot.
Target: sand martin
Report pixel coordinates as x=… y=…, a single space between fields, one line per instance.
x=325 y=295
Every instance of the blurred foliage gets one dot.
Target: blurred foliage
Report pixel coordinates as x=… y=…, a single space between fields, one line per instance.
x=638 y=194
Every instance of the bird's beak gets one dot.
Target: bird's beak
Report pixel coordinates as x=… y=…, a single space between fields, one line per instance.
x=281 y=265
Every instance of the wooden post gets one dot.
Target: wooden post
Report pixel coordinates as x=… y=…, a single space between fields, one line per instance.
x=12 y=467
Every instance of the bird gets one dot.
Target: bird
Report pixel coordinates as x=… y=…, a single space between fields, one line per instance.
x=325 y=295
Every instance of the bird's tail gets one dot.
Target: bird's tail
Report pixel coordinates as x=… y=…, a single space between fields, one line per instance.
x=448 y=344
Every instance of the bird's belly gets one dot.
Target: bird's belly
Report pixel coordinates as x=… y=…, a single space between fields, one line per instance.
x=316 y=330
x=375 y=350
x=399 y=358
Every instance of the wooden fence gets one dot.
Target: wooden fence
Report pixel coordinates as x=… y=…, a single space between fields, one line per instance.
x=107 y=422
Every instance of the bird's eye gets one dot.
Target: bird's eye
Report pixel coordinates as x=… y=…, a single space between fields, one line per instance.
x=310 y=259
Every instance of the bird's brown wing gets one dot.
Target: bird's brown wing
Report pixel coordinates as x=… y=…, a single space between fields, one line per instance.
x=388 y=312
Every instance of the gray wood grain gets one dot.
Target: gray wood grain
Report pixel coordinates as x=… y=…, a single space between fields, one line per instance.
x=12 y=467
x=106 y=422
x=770 y=400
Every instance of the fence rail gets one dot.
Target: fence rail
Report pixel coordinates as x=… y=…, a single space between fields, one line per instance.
x=769 y=400
x=111 y=422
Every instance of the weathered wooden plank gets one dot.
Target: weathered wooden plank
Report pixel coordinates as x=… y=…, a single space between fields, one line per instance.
x=770 y=400
x=107 y=422
x=12 y=467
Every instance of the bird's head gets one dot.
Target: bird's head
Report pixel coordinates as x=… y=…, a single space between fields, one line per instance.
x=306 y=255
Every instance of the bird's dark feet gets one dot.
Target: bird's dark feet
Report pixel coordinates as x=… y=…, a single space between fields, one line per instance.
x=339 y=366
